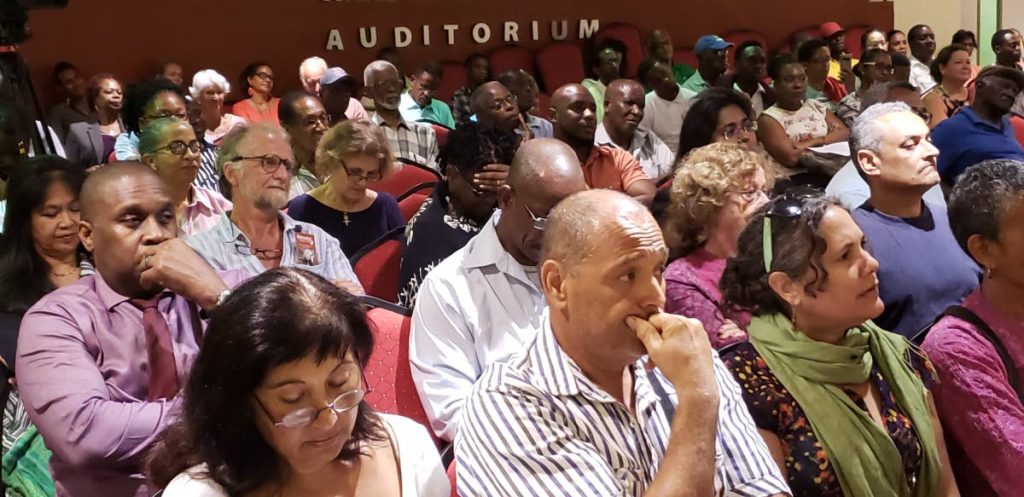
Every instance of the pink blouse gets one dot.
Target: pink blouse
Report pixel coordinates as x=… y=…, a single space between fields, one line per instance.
x=246 y=110
x=691 y=290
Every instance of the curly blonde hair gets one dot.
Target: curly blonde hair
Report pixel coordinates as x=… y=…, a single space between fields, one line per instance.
x=703 y=179
x=352 y=138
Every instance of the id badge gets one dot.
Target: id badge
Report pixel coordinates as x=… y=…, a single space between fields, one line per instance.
x=305 y=250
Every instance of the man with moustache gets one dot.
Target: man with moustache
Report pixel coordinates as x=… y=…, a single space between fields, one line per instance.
x=305 y=119
x=623 y=110
x=410 y=141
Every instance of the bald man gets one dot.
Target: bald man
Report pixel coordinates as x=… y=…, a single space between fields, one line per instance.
x=481 y=305
x=578 y=412
x=603 y=167
x=524 y=88
x=624 y=103
x=494 y=105
x=100 y=362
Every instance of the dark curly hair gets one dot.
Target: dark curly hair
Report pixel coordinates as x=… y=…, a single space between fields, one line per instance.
x=137 y=97
x=472 y=146
x=249 y=71
x=701 y=120
x=250 y=334
x=797 y=245
x=981 y=197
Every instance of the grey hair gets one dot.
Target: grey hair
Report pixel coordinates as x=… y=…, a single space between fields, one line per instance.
x=866 y=132
x=981 y=197
x=229 y=147
x=310 y=63
x=207 y=78
x=372 y=67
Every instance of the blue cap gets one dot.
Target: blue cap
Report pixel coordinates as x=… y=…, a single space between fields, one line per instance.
x=711 y=42
x=333 y=75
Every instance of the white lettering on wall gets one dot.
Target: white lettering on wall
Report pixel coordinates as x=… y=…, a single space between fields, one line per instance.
x=403 y=37
x=587 y=28
x=511 y=32
x=535 y=28
x=450 y=29
x=559 y=35
x=481 y=32
x=334 y=40
x=426 y=35
x=368 y=42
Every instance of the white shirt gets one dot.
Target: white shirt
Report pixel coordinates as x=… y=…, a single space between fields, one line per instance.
x=920 y=75
x=419 y=465
x=852 y=191
x=665 y=117
x=756 y=101
x=655 y=158
x=477 y=307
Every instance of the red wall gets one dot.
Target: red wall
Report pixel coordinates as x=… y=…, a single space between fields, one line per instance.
x=127 y=37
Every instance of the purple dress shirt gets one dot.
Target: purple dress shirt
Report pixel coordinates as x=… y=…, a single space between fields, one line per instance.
x=691 y=290
x=82 y=376
x=982 y=417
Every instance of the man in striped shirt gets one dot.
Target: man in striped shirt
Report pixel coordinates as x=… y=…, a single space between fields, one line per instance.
x=578 y=412
x=411 y=141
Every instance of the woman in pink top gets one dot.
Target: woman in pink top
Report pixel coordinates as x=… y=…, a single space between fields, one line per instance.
x=257 y=81
x=715 y=191
x=981 y=411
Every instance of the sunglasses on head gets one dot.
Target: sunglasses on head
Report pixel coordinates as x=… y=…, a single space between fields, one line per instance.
x=789 y=205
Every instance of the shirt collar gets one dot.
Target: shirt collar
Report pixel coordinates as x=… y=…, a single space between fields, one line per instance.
x=379 y=121
x=229 y=232
x=975 y=119
x=485 y=249
x=199 y=198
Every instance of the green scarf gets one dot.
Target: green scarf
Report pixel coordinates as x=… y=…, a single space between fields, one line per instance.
x=860 y=451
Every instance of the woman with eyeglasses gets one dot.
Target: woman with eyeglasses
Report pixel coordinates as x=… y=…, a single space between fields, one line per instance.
x=873 y=38
x=716 y=189
x=351 y=155
x=257 y=81
x=875 y=67
x=951 y=68
x=843 y=405
x=208 y=89
x=169 y=146
x=289 y=416
x=91 y=143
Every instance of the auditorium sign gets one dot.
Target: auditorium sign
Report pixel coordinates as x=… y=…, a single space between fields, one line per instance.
x=480 y=33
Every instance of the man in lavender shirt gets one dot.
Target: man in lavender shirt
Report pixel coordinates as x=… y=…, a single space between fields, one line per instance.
x=83 y=365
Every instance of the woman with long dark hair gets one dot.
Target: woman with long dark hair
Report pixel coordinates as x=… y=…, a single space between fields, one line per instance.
x=274 y=404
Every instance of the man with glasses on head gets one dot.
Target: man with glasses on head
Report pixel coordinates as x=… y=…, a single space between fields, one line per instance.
x=409 y=141
x=418 y=104
x=483 y=303
x=255 y=235
x=306 y=121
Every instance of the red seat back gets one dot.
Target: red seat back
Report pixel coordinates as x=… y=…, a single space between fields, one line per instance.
x=685 y=55
x=852 y=38
x=740 y=36
x=543 y=106
x=454 y=78
x=441 y=132
x=559 y=63
x=404 y=177
x=510 y=58
x=411 y=204
x=377 y=264
x=630 y=36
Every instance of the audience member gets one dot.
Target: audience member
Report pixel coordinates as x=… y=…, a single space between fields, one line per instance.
x=844 y=404
x=478 y=72
x=874 y=38
x=91 y=143
x=255 y=235
x=144 y=102
x=306 y=121
x=169 y=146
x=661 y=49
x=605 y=65
x=523 y=87
x=951 y=69
x=891 y=150
x=337 y=89
x=286 y=374
x=711 y=62
x=208 y=177
x=835 y=36
x=718 y=115
x=171 y=71
x=351 y=155
x=392 y=55
x=716 y=189
x=459 y=206
x=257 y=81
x=898 y=43
x=74 y=106
x=967 y=39
x=494 y=105
x=982 y=130
x=875 y=67
x=418 y=105
x=310 y=72
x=39 y=253
x=484 y=303
x=666 y=104
x=409 y=141
x=900 y=67
x=977 y=400
x=1007 y=47
x=603 y=167
x=814 y=55
x=921 y=44
x=208 y=89
x=791 y=128
x=100 y=361
x=580 y=398
x=848 y=185
x=624 y=109
x=751 y=71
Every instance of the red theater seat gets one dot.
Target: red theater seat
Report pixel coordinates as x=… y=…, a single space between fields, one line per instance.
x=454 y=78
x=376 y=265
x=510 y=58
x=852 y=38
x=441 y=132
x=404 y=178
x=559 y=63
x=411 y=204
x=742 y=35
x=543 y=106
x=685 y=56
x=630 y=35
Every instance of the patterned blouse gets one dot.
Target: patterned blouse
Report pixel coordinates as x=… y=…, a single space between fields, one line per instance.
x=774 y=409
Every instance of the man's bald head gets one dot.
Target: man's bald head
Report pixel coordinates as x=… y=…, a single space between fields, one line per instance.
x=621 y=87
x=101 y=187
x=624 y=106
x=567 y=94
x=494 y=104
x=575 y=114
x=578 y=224
x=545 y=165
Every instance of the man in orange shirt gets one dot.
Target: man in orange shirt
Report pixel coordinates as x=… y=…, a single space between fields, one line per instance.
x=603 y=167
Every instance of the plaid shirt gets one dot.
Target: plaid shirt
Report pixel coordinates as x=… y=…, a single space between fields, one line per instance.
x=410 y=141
x=460 y=105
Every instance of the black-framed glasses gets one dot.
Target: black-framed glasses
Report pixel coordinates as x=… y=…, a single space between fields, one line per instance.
x=269 y=162
x=265 y=76
x=788 y=206
x=303 y=417
x=179 y=147
x=357 y=175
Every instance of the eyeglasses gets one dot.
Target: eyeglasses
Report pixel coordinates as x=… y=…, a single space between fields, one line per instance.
x=511 y=100
x=389 y=84
x=732 y=131
x=265 y=76
x=303 y=417
x=789 y=206
x=370 y=176
x=538 y=223
x=178 y=147
x=166 y=113
x=885 y=68
x=320 y=119
x=269 y=162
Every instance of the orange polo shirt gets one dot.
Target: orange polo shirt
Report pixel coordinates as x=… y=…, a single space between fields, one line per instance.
x=612 y=169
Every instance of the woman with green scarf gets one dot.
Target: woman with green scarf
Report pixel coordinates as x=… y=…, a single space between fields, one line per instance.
x=843 y=405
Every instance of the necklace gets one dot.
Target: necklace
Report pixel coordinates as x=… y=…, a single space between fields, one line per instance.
x=64 y=275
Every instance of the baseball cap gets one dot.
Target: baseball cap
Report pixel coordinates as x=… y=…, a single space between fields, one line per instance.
x=333 y=75
x=830 y=28
x=711 y=42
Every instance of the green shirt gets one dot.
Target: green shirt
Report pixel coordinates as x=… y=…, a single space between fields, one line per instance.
x=682 y=72
x=696 y=83
x=437 y=112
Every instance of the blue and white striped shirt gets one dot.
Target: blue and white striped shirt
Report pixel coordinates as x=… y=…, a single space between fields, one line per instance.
x=536 y=426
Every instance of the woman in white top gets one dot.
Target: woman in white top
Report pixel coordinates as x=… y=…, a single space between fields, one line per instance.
x=209 y=89
x=274 y=405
